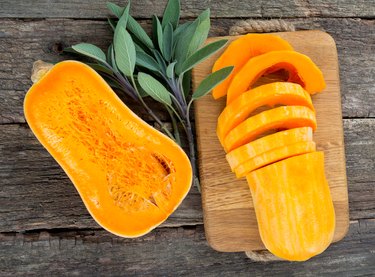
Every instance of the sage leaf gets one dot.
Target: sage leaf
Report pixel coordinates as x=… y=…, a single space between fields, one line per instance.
x=113 y=59
x=212 y=81
x=186 y=83
x=170 y=70
x=141 y=91
x=112 y=23
x=160 y=60
x=135 y=28
x=168 y=42
x=115 y=9
x=100 y=68
x=201 y=55
x=146 y=61
x=154 y=88
x=171 y=13
x=138 y=48
x=201 y=32
x=159 y=31
x=124 y=47
x=90 y=50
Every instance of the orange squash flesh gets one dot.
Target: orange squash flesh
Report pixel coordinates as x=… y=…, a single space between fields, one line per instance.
x=286 y=117
x=242 y=49
x=301 y=70
x=277 y=93
x=268 y=143
x=293 y=206
x=273 y=156
x=130 y=176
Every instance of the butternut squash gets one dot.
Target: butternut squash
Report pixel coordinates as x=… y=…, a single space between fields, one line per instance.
x=130 y=176
x=277 y=93
x=240 y=51
x=285 y=117
x=274 y=155
x=268 y=143
x=293 y=206
x=301 y=68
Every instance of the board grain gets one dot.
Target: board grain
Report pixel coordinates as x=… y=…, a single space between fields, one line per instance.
x=228 y=210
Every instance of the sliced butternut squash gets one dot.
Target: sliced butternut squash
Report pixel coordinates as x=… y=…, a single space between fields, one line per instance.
x=130 y=176
x=274 y=155
x=242 y=49
x=285 y=117
x=278 y=93
x=301 y=70
x=268 y=143
x=293 y=206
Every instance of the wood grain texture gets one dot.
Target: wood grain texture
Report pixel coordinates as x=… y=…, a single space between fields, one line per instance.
x=227 y=205
x=22 y=42
x=145 y=8
x=170 y=252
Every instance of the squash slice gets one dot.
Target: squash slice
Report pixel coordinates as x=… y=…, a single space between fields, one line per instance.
x=130 y=176
x=268 y=143
x=285 y=117
x=274 y=155
x=278 y=93
x=293 y=206
x=301 y=70
x=242 y=49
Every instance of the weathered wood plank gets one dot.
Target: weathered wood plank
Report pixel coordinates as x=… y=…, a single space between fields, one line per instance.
x=145 y=8
x=23 y=42
x=170 y=252
x=36 y=194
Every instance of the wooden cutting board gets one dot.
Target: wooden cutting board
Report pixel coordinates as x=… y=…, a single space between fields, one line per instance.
x=229 y=215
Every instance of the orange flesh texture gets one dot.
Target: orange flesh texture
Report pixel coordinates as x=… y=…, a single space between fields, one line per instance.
x=273 y=156
x=268 y=143
x=285 y=117
x=240 y=51
x=266 y=95
x=301 y=69
x=293 y=206
x=130 y=176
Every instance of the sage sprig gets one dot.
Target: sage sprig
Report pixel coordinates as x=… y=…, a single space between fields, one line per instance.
x=160 y=66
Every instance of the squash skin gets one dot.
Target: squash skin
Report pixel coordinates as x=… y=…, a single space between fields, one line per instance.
x=285 y=117
x=293 y=206
x=301 y=69
x=277 y=93
x=268 y=143
x=242 y=49
x=273 y=156
x=97 y=139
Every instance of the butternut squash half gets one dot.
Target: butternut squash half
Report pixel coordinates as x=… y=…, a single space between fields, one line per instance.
x=277 y=93
x=268 y=143
x=130 y=176
x=240 y=51
x=273 y=156
x=293 y=206
x=285 y=117
x=302 y=70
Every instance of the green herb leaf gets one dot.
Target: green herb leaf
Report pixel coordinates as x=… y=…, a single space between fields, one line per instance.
x=168 y=42
x=90 y=50
x=112 y=23
x=186 y=83
x=141 y=91
x=171 y=13
x=154 y=88
x=170 y=70
x=211 y=81
x=100 y=68
x=147 y=61
x=201 y=32
x=124 y=47
x=113 y=59
x=201 y=55
x=159 y=31
x=135 y=28
x=160 y=60
x=115 y=9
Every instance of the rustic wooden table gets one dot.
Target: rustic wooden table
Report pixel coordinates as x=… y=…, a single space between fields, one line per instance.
x=45 y=228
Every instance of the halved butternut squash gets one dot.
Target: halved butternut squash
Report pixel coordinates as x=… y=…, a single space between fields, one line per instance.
x=130 y=176
x=285 y=117
x=268 y=143
x=277 y=93
x=293 y=206
x=301 y=70
x=273 y=156
x=242 y=49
